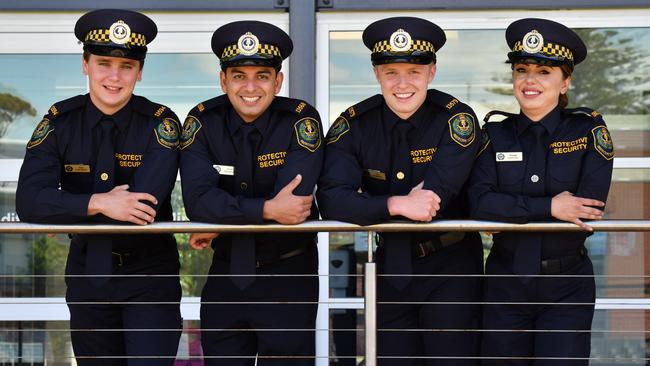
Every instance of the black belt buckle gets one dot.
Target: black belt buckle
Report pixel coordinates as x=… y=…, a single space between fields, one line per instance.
x=119 y=258
x=422 y=250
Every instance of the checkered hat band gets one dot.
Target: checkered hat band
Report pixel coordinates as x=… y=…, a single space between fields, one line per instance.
x=101 y=35
x=416 y=45
x=264 y=49
x=549 y=49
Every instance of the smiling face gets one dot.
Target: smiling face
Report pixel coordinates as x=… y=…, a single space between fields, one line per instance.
x=404 y=86
x=251 y=89
x=111 y=81
x=537 y=88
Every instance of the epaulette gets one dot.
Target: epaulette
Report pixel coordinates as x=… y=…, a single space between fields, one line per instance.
x=363 y=106
x=584 y=111
x=66 y=105
x=489 y=115
x=296 y=106
x=149 y=108
x=443 y=100
x=209 y=104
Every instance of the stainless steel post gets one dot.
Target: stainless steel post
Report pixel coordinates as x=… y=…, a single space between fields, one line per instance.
x=370 y=291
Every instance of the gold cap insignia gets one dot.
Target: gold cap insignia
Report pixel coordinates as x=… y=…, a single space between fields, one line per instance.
x=119 y=32
x=533 y=42
x=400 y=41
x=248 y=44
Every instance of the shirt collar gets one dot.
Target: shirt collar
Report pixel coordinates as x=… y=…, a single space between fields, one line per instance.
x=549 y=121
x=416 y=120
x=121 y=118
x=235 y=121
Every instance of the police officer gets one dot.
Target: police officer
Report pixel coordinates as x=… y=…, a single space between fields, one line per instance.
x=248 y=157
x=111 y=157
x=545 y=163
x=405 y=154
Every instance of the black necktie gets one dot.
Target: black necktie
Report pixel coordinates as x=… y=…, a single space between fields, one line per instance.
x=98 y=254
x=242 y=254
x=528 y=253
x=398 y=245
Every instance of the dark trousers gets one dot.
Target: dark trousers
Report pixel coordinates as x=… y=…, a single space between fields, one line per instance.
x=233 y=334
x=438 y=335
x=551 y=290
x=125 y=333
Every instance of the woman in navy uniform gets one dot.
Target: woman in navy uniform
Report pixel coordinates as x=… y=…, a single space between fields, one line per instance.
x=111 y=157
x=248 y=157
x=547 y=162
x=406 y=154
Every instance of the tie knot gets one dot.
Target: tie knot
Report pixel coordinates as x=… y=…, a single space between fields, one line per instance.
x=403 y=127
x=107 y=124
x=537 y=129
x=247 y=128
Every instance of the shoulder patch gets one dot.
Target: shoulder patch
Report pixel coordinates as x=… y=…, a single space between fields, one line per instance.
x=167 y=133
x=190 y=127
x=461 y=129
x=308 y=133
x=300 y=107
x=603 y=142
x=339 y=128
x=42 y=130
x=485 y=140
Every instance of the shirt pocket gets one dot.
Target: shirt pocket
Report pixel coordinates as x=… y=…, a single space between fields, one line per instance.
x=375 y=181
x=510 y=175
x=564 y=172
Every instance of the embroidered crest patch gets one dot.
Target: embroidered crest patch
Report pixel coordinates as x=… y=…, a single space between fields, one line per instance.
x=190 y=128
x=461 y=129
x=167 y=133
x=41 y=132
x=338 y=129
x=603 y=142
x=308 y=133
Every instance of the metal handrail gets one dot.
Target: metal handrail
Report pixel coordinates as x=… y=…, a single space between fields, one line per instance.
x=320 y=225
x=370 y=285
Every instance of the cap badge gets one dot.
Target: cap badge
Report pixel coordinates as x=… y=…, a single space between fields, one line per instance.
x=248 y=44
x=533 y=42
x=119 y=33
x=400 y=41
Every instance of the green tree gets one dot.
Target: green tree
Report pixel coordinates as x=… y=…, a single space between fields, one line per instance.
x=12 y=107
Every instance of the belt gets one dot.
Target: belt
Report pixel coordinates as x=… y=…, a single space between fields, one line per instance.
x=423 y=249
x=562 y=264
x=121 y=259
x=261 y=262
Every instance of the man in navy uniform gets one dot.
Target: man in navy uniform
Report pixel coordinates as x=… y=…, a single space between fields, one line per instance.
x=405 y=154
x=111 y=157
x=248 y=157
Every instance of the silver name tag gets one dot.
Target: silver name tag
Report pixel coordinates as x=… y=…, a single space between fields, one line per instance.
x=225 y=169
x=509 y=156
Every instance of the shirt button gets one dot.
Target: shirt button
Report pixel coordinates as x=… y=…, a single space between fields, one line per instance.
x=534 y=178
x=104 y=176
x=243 y=186
x=400 y=175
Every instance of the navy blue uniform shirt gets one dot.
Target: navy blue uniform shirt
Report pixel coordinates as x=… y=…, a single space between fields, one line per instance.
x=57 y=176
x=356 y=180
x=579 y=159
x=289 y=143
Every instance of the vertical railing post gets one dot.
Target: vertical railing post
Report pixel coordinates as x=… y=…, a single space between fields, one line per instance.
x=370 y=302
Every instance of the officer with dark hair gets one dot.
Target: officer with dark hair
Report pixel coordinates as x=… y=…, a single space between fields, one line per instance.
x=248 y=157
x=547 y=162
x=111 y=157
x=405 y=154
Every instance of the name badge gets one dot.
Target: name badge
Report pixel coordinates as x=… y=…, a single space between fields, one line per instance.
x=509 y=156
x=77 y=168
x=376 y=174
x=225 y=169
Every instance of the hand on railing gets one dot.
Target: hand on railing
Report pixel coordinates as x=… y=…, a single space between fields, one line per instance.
x=567 y=207
x=287 y=208
x=122 y=205
x=200 y=241
x=419 y=205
